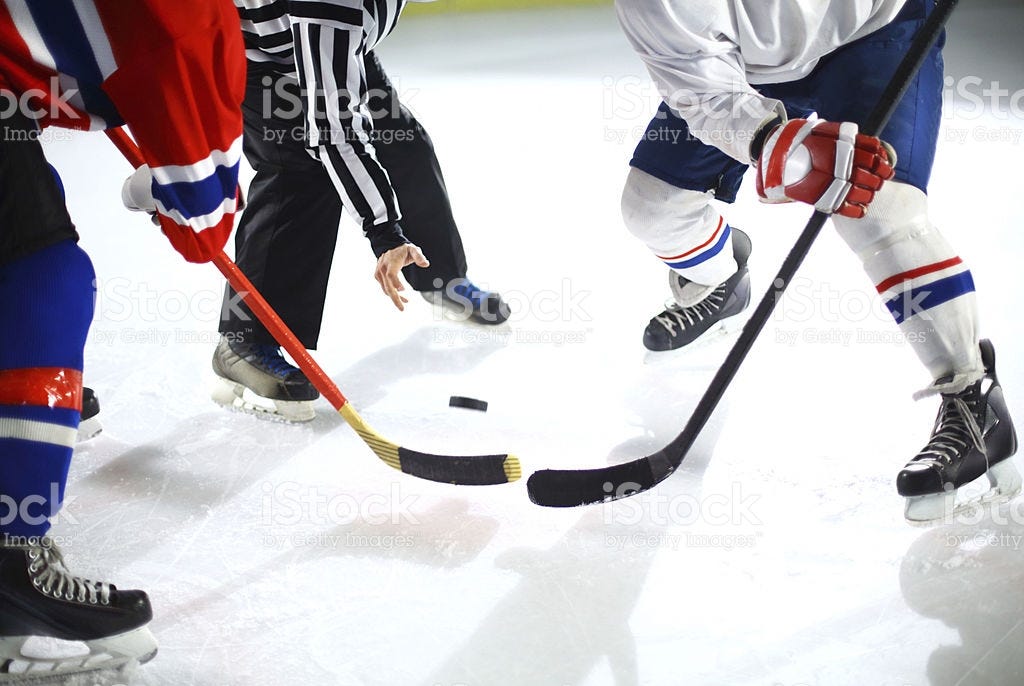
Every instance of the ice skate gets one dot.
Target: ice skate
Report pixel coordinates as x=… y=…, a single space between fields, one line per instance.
x=464 y=301
x=698 y=312
x=90 y=426
x=40 y=598
x=256 y=378
x=973 y=437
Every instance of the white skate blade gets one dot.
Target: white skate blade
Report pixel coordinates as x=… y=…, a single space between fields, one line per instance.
x=89 y=429
x=119 y=652
x=237 y=397
x=926 y=510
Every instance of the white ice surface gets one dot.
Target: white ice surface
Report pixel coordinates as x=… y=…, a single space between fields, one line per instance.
x=798 y=567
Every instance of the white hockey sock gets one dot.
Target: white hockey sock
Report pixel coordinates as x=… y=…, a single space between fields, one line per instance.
x=680 y=227
x=924 y=283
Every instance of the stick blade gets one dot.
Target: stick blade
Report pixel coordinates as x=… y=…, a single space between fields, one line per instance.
x=575 y=487
x=469 y=470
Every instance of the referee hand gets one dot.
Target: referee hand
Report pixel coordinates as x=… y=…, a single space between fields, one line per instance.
x=389 y=267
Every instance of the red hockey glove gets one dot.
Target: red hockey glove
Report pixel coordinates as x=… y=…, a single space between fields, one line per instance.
x=195 y=245
x=826 y=164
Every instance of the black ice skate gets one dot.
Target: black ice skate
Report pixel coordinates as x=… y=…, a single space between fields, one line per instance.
x=698 y=312
x=90 y=426
x=973 y=437
x=464 y=301
x=39 y=597
x=256 y=378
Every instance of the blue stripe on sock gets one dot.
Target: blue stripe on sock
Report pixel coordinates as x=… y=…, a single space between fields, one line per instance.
x=923 y=298
x=723 y=240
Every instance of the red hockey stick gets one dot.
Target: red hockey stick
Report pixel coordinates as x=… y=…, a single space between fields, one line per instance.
x=474 y=470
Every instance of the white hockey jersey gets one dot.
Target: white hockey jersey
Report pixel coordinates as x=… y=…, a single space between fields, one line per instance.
x=705 y=54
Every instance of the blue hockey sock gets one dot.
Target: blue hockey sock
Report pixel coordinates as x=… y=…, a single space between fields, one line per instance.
x=46 y=305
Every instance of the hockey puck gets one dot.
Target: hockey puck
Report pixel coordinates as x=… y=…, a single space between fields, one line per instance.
x=467 y=403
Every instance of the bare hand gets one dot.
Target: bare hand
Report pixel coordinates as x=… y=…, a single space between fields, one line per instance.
x=389 y=266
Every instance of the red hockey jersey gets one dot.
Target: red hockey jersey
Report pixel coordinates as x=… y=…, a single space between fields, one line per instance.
x=172 y=70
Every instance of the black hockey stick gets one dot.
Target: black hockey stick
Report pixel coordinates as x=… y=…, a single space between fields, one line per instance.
x=570 y=487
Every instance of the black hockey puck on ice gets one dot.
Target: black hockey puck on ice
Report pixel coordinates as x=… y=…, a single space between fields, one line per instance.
x=467 y=403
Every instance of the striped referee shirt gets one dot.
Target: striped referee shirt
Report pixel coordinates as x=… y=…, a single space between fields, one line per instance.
x=323 y=43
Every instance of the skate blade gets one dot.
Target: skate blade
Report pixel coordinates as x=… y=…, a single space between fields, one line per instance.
x=118 y=653
x=943 y=508
x=235 y=396
x=89 y=429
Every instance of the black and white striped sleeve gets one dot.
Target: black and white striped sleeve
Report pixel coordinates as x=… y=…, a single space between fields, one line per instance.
x=329 y=56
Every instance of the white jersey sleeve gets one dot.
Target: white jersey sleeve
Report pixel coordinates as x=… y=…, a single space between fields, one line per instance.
x=704 y=55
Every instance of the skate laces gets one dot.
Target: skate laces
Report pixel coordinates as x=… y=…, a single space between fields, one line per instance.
x=684 y=317
x=51 y=576
x=270 y=357
x=955 y=428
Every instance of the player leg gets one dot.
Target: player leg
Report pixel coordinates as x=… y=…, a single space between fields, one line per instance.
x=47 y=289
x=925 y=284
x=667 y=204
x=284 y=244
x=405 y=150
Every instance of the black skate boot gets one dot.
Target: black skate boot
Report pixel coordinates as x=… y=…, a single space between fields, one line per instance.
x=464 y=300
x=256 y=378
x=90 y=426
x=39 y=597
x=697 y=311
x=973 y=436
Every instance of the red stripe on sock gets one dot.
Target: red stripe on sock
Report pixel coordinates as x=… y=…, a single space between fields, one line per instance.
x=714 y=237
x=914 y=273
x=42 y=387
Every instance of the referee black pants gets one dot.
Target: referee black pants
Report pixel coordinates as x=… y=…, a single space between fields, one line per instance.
x=285 y=241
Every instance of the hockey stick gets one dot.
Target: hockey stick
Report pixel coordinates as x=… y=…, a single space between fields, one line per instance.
x=569 y=488
x=473 y=470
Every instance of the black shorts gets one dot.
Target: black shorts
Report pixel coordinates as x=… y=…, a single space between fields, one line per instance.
x=33 y=215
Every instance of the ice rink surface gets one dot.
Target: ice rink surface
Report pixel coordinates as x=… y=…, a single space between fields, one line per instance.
x=778 y=554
